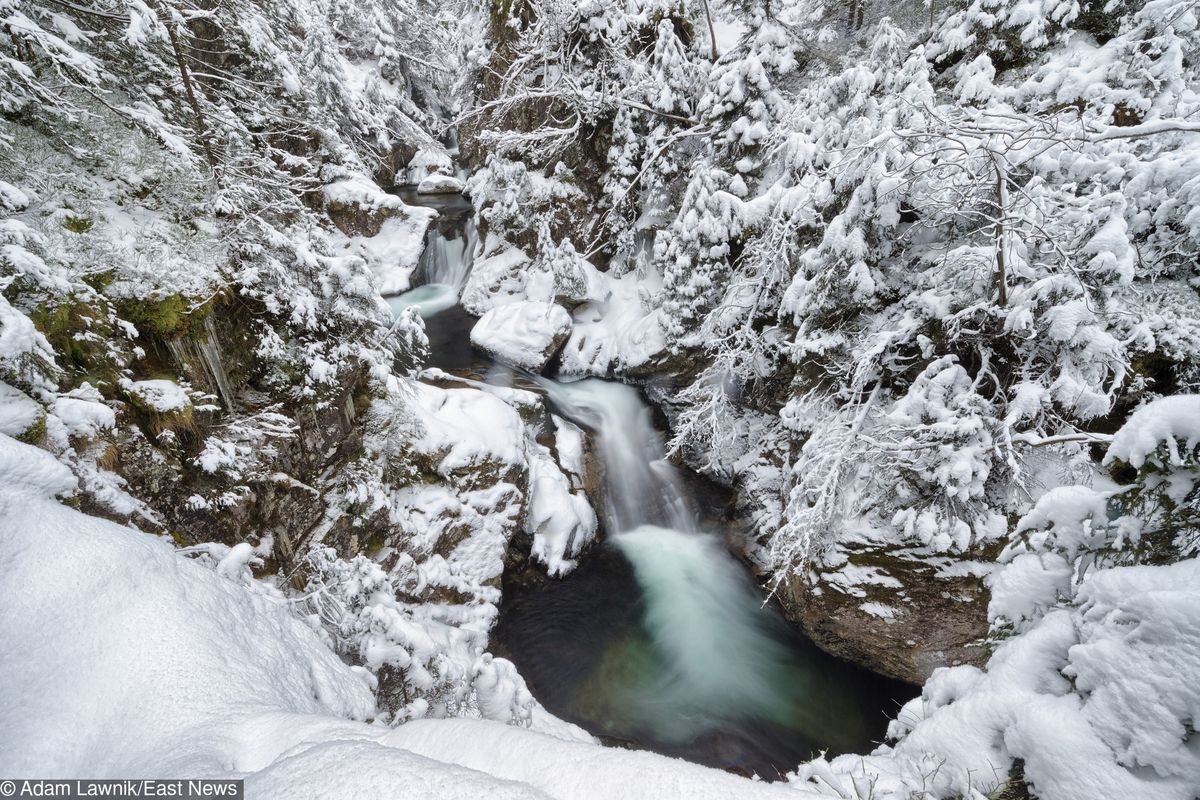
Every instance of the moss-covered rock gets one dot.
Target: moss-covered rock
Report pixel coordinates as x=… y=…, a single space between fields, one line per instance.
x=76 y=224
x=168 y=316
x=36 y=432
x=80 y=331
x=163 y=404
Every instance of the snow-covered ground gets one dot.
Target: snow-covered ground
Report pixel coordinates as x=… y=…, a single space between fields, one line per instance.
x=124 y=658
x=807 y=222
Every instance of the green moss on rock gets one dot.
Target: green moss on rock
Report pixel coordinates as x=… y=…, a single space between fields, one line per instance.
x=167 y=317
x=77 y=224
x=35 y=432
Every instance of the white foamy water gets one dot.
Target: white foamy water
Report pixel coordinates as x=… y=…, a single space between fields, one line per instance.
x=717 y=653
x=710 y=629
x=447 y=261
x=443 y=269
x=642 y=486
x=430 y=299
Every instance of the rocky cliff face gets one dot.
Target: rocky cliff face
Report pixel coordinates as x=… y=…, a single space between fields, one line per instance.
x=240 y=460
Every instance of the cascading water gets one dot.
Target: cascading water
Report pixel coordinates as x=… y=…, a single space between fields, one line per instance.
x=722 y=661
x=642 y=485
x=659 y=638
x=711 y=662
x=445 y=262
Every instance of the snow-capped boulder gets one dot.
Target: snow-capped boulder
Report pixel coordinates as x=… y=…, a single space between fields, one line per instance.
x=560 y=520
x=892 y=612
x=164 y=403
x=359 y=207
x=439 y=184
x=496 y=278
x=524 y=334
x=161 y=396
x=426 y=162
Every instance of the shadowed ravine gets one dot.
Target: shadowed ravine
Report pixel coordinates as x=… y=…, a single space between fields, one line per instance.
x=660 y=638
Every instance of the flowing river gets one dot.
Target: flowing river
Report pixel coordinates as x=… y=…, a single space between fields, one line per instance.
x=660 y=638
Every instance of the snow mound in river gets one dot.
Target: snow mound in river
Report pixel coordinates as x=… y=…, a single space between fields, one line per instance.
x=524 y=333
x=439 y=184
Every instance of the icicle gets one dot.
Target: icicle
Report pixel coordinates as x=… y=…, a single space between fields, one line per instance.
x=211 y=352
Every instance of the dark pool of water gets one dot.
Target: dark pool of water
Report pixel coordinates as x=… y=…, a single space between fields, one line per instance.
x=580 y=642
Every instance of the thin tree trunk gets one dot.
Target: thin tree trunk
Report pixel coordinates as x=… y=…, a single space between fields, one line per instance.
x=712 y=33
x=857 y=12
x=188 y=86
x=1002 y=210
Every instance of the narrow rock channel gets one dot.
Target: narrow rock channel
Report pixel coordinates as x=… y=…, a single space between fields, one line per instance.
x=659 y=639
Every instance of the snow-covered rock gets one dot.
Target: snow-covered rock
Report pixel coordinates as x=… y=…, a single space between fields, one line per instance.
x=439 y=184
x=159 y=395
x=18 y=411
x=425 y=162
x=505 y=274
x=359 y=207
x=616 y=334
x=468 y=429
x=83 y=412
x=393 y=252
x=525 y=333
x=562 y=522
x=495 y=278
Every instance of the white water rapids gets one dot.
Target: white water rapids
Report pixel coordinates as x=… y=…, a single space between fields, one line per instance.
x=443 y=269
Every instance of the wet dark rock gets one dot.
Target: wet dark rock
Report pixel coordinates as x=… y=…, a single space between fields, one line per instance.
x=928 y=621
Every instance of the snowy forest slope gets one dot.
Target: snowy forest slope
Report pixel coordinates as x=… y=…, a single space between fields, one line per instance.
x=922 y=288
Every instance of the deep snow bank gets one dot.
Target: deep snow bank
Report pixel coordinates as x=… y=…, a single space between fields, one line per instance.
x=122 y=658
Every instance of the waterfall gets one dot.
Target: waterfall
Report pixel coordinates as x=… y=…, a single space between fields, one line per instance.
x=444 y=265
x=718 y=652
x=643 y=487
x=446 y=260
x=722 y=660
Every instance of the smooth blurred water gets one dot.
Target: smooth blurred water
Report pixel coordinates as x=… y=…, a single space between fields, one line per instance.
x=643 y=487
x=446 y=259
x=661 y=639
x=430 y=299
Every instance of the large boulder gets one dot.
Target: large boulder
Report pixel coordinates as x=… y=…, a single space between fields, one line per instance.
x=358 y=207
x=894 y=611
x=525 y=333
